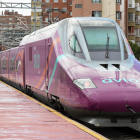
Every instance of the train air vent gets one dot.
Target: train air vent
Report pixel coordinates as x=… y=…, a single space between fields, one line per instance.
x=104 y=65
x=133 y=120
x=116 y=65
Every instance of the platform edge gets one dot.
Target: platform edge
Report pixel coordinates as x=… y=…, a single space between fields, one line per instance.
x=82 y=127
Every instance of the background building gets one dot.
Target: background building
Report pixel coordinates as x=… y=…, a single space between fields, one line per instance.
x=13 y=27
x=12 y=18
x=134 y=21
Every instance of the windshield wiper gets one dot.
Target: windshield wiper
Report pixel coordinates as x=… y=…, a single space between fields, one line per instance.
x=107 y=47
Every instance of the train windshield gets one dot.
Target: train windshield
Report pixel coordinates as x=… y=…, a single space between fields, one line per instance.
x=96 y=38
x=96 y=35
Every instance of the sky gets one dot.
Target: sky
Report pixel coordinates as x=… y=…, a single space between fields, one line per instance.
x=20 y=11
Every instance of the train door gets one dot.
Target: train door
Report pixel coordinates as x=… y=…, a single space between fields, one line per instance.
x=48 y=56
x=23 y=67
x=8 y=64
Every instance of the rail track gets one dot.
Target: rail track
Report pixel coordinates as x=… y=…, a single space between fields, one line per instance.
x=117 y=133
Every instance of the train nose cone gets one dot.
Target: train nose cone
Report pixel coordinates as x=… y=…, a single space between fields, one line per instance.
x=133 y=103
x=112 y=103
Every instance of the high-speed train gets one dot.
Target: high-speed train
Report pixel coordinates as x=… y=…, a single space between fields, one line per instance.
x=83 y=66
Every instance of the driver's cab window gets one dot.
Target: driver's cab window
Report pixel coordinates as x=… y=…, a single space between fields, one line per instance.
x=74 y=45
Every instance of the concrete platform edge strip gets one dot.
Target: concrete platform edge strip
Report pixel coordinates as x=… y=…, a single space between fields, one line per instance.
x=82 y=127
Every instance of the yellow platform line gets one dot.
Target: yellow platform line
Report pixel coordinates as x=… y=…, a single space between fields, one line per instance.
x=82 y=127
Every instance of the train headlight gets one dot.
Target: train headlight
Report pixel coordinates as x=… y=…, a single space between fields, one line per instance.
x=84 y=83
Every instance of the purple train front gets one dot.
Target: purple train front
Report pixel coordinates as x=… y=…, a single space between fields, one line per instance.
x=82 y=65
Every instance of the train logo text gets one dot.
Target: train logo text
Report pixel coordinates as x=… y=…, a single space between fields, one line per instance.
x=120 y=80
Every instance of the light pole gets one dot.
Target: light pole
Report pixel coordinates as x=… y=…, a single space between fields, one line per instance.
x=34 y=15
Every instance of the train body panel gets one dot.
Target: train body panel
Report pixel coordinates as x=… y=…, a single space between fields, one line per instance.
x=5 y=64
x=38 y=70
x=35 y=63
x=12 y=62
x=113 y=95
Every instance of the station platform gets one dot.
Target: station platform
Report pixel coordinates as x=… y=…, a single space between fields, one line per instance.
x=22 y=117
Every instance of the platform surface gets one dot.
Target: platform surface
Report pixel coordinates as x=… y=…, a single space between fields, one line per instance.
x=22 y=118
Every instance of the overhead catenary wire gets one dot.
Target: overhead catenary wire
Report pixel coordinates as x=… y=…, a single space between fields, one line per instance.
x=115 y=14
x=60 y=6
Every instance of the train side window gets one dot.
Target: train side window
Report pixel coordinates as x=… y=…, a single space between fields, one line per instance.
x=12 y=65
x=16 y=65
x=4 y=64
x=74 y=45
x=30 y=53
x=125 y=51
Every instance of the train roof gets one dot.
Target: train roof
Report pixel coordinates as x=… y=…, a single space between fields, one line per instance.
x=24 y=40
x=90 y=18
